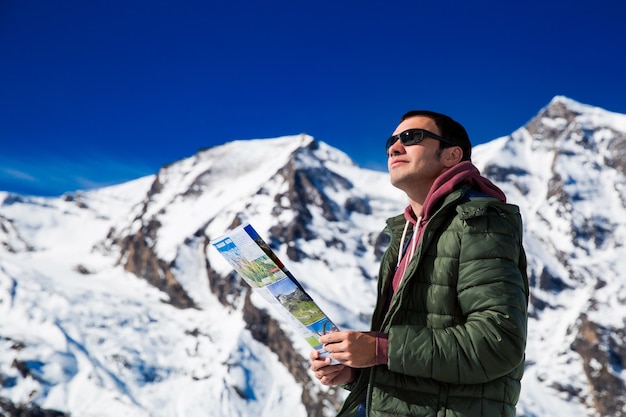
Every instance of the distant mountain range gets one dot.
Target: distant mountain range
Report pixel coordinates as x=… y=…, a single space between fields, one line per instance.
x=113 y=303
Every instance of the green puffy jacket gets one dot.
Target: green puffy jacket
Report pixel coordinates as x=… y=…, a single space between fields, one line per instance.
x=457 y=325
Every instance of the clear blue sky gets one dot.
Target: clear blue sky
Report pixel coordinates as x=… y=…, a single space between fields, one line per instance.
x=95 y=92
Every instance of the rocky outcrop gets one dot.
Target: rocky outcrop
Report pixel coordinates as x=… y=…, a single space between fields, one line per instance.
x=267 y=331
x=10 y=409
x=230 y=291
x=138 y=257
x=603 y=351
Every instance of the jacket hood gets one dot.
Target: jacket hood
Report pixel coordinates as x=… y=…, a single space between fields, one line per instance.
x=462 y=173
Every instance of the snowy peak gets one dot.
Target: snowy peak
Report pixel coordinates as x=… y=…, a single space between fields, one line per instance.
x=294 y=187
x=217 y=183
x=591 y=116
x=571 y=124
x=115 y=301
x=180 y=324
x=566 y=170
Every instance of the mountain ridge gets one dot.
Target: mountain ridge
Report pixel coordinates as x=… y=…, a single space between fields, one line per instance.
x=103 y=277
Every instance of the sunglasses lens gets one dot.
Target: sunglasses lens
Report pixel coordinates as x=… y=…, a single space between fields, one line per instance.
x=407 y=138
x=412 y=137
x=390 y=142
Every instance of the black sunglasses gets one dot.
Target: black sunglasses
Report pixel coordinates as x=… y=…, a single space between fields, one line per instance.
x=413 y=137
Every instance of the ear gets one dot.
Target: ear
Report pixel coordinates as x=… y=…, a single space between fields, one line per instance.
x=452 y=156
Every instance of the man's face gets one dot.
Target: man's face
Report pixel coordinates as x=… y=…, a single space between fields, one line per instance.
x=414 y=168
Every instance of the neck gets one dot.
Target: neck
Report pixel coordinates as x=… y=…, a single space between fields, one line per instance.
x=416 y=206
x=417 y=197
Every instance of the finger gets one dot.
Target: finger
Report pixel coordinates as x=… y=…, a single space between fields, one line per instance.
x=335 y=347
x=333 y=337
x=327 y=379
x=342 y=357
x=314 y=354
x=317 y=365
x=328 y=360
x=330 y=378
x=329 y=372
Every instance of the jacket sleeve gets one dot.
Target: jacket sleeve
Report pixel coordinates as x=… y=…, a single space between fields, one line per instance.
x=489 y=338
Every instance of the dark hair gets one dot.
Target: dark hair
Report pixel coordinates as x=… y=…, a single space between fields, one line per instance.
x=448 y=128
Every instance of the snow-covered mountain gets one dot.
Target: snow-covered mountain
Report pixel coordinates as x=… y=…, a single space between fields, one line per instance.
x=113 y=303
x=567 y=171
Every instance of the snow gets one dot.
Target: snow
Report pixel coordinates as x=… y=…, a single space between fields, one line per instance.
x=97 y=340
x=104 y=343
x=550 y=234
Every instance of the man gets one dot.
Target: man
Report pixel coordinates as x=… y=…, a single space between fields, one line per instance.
x=449 y=327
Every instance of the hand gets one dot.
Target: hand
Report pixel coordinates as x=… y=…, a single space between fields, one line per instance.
x=330 y=374
x=354 y=349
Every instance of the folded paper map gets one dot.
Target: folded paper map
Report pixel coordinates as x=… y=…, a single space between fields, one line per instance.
x=259 y=266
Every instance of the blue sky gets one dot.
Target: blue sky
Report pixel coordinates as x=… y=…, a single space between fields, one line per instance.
x=98 y=92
